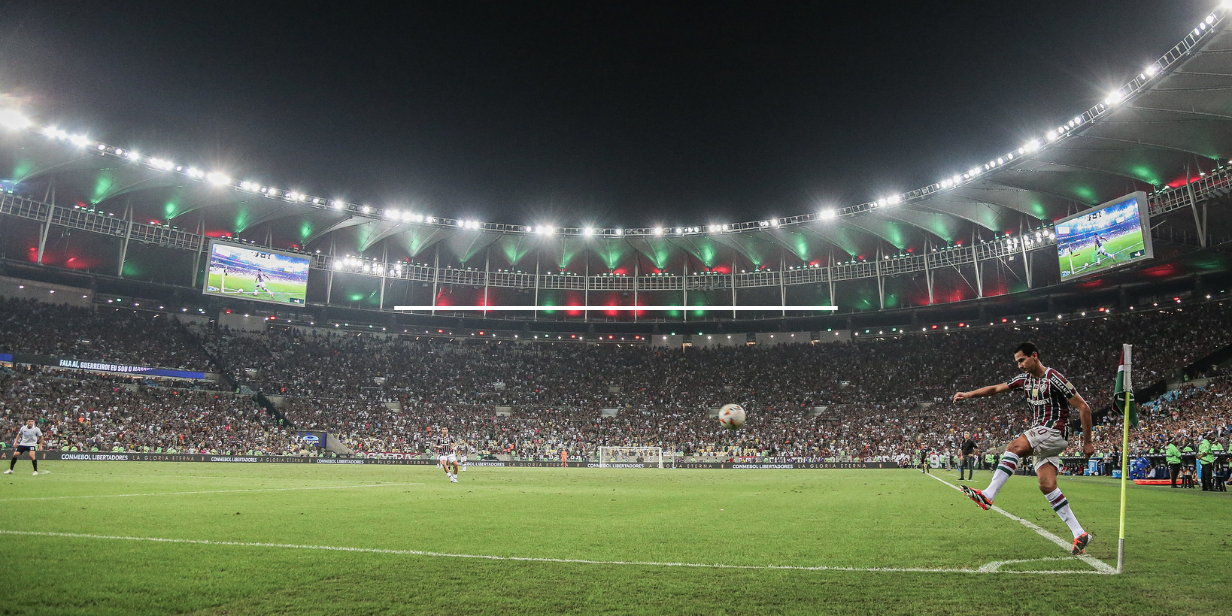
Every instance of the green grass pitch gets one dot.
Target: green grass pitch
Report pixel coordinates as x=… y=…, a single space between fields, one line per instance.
x=1120 y=247
x=90 y=551
x=237 y=284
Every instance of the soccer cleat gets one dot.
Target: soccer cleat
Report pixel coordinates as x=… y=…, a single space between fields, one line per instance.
x=1080 y=544
x=977 y=496
x=8 y=472
x=35 y=472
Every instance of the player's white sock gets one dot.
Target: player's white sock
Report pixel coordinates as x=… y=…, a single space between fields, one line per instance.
x=1005 y=470
x=1060 y=504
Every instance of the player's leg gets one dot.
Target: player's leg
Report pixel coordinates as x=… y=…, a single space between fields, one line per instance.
x=1017 y=449
x=13 y=462
x=34 y=460
x=1047 y=473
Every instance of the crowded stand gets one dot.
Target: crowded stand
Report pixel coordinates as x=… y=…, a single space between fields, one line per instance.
x=131 y=337
x=79 y=411
x=875 y=398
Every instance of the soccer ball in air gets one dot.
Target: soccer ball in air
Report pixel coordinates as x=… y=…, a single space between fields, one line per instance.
x=731 y=416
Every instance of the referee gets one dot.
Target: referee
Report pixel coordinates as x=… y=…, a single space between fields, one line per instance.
x=27 y=440
x=970 y=456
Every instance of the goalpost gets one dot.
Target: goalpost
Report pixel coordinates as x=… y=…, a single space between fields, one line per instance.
x=610 y=456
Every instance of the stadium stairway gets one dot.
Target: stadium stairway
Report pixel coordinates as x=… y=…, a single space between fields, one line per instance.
x=228 y=377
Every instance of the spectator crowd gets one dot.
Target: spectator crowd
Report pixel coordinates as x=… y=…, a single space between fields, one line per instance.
x=875 y=398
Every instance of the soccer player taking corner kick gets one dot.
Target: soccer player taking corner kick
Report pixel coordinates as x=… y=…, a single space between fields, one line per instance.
x=1049 y=394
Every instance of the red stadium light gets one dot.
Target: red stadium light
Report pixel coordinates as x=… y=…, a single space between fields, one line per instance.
x=481 y=333
x=1005 y=320
x=1101 y=308
x=962 y=324
x=439 y=331
x=934 y=327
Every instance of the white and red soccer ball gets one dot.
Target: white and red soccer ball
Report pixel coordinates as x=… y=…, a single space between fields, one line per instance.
x=731 y=416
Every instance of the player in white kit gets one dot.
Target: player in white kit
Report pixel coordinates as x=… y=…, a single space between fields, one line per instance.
x=27 y=440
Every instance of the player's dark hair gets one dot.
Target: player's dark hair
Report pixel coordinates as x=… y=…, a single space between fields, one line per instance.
x=1027 y=348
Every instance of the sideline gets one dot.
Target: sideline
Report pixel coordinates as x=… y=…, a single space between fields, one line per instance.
x=1099 y=565
x=41 y=498
x=993 y=567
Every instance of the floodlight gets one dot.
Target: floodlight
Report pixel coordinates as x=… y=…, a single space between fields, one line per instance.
x=1113 y=98
x=393 y=214
x=658 y=230
x=11 y=118
x=588 y=231
x=215 y=177
x=828 y=214
x=338 y=205
x=679 y=231
x=79 y=140
x=367 y=209
x=1152 y=69
x=618 y=232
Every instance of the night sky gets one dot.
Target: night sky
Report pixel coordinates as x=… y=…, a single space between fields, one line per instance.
x=579 y=113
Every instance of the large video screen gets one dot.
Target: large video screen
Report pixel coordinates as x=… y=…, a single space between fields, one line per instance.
x=252 y=273
x=1112 y=235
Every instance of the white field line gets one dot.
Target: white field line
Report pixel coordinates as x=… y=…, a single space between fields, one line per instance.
x=372 y=485
x=989 y=568
x=1099 y=565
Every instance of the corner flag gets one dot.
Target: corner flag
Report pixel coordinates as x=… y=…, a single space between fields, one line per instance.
x=1125 y=388
x=1123 y=396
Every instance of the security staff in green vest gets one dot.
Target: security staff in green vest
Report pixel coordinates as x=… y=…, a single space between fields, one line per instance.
x=1206 y=464
x=989 y=460
x=1173 y=457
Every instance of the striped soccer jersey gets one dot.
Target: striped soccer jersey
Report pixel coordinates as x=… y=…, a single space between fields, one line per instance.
x=1048 y=397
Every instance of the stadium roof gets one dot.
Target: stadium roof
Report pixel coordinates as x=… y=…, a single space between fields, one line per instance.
x=1170 y=124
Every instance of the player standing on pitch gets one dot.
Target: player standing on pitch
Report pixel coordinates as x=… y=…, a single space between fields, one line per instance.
x=1050 y=395
x=28 y=437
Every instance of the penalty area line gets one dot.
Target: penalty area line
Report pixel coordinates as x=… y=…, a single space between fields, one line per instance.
x=1099 y=565
x=371 y=485
x=993 y=567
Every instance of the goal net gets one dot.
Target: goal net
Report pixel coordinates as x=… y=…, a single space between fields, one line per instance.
x=630 y=457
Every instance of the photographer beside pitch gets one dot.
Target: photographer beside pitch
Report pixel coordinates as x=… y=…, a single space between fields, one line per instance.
x=1050 y=395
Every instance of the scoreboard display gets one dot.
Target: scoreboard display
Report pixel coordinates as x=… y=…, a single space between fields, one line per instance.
x=1112 y=235
x=257 y=274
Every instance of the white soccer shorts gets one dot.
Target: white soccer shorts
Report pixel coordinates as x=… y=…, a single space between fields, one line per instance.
x=452 y=459
x=1047 y=445
x=462 y=459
